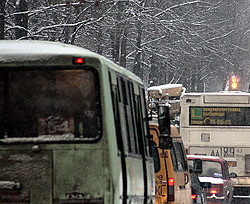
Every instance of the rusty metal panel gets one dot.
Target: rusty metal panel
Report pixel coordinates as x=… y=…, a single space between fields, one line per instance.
x=28 y=175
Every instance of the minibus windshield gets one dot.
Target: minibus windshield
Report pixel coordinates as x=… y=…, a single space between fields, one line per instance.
x=49 y=104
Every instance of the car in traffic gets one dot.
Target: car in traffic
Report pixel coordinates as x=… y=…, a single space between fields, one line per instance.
x=215 y=170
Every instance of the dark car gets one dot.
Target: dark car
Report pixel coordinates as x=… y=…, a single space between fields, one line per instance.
x=215 y=170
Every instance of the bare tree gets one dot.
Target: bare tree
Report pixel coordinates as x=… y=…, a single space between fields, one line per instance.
x=21 y=18
x=194 y=42
x=2 y=18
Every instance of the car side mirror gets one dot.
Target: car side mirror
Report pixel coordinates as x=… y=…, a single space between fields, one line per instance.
x=232 y=175
x=197 y=166
x=165 y=142
x=206 y=184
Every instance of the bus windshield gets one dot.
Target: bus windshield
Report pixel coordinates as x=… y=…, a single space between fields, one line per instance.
x=49 y=104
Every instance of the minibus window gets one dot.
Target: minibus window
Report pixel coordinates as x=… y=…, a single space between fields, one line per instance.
x=148 y=150
x=123 y=116
x=156 y=157
x=178 y=156
x=173 y=157
x=54 y=104
x=115 y=103
x=183 y=155
x=133 y=112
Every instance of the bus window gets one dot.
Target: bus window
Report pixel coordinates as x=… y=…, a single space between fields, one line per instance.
x=156 y=157
x=145 y=122
x=136 y=105
x=129 y=114
x=115 y=103
x=50 y=102
x=174 y=158
x=133 y=112
x=179 y=157
x=183 y=155
x=123 y=117
x=138 y=123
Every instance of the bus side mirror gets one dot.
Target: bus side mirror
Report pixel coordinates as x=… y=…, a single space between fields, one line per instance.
x=197 y=166
x=165 y=142
x=164 y=120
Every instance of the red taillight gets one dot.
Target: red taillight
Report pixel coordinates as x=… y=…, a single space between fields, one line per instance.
x=171 y=181
x=170 y=196
x=78 y=60
x=193 y=196
x=213 y=191
x=216 y=190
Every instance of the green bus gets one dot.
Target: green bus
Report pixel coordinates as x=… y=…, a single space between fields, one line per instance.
x=73 y=128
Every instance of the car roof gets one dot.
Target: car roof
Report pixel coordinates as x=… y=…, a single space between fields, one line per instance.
x=207 y=158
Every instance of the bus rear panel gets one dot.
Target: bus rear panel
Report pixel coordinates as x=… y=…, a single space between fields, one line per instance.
x=66 y=136
x=218 y=124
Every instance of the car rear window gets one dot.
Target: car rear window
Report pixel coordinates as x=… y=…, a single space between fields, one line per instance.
x=211 y=169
